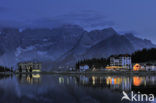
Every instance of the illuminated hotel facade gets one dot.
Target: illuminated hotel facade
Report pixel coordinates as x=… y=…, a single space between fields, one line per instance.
x=123 y=61
x=29 y=67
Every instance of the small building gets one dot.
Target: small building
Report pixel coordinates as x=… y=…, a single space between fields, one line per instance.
x=150 y=67
x=144 y=66
x=29 y=67
x=123 y=61
x=84 y=67
x=137 y=67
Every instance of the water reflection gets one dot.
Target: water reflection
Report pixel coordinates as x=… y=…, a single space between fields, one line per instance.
x=5 y=76
x=118 y=83
x=36 y=88
x=137 y=81
x=29 y=78
x=145 y=84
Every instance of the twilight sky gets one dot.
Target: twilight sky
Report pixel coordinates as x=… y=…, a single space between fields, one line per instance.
x=137 y=16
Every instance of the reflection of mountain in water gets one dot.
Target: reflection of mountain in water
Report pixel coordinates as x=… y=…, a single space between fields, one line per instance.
x=145 y=84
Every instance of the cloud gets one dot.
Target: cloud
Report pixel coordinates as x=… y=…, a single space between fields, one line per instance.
x=87 y=19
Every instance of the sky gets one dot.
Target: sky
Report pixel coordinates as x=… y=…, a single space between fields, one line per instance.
x=136 y=16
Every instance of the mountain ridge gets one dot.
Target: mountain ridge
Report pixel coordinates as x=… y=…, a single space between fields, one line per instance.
x=64 y=45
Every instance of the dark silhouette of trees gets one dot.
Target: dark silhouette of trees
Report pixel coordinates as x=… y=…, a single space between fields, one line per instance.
x=20 y=69
x=98 y=63
x=4 y=69
x=11 y=69
x=144 y=55
x=31 y=69
x=26 y=70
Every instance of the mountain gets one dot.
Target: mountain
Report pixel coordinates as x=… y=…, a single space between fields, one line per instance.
x=37 y=44
x=64 y=45
x=139 y=43
x=112 y=43
x=116 y=44
x=87 y=40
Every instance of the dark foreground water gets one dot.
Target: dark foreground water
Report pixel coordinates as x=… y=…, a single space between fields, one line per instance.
x=72 y=89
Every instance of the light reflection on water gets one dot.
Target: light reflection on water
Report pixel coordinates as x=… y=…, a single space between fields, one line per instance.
x=29 y=78
x=36 y=88
x=113 y=82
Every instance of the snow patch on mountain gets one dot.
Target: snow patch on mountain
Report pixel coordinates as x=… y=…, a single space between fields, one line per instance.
x=20 y=50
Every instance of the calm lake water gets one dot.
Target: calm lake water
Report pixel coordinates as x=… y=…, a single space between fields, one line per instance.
x=72 y=89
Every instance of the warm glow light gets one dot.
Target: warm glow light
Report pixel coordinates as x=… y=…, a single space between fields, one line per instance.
x=108 y=80
x=137 y=67
x=28 y=79
x=114 y=67
x=36 y=75
x=93 y=80
x=61 y=80
x=113 y=81
x=137 y=81
x=36 y=70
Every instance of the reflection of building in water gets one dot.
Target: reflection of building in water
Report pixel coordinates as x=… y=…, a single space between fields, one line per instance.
x=106 y=82
x=137 y=81
x=113 y=81
x=144 y=81
x=84 y=79
x=98 y=82
x=61 y=80
x=29 y=67
x=145 y=85
x=29 y=78
x=92 y=81
x=67 y=80
x=123 y=83
x=117 y=83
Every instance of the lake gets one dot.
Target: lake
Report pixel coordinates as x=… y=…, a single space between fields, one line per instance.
x=36 y=88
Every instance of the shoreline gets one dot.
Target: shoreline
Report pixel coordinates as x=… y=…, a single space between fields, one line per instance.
x=111 y=73
x=124 y=73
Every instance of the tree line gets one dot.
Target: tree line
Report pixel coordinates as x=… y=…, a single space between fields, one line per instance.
x=144 y=55
x=5 y=69
x=95 y=62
